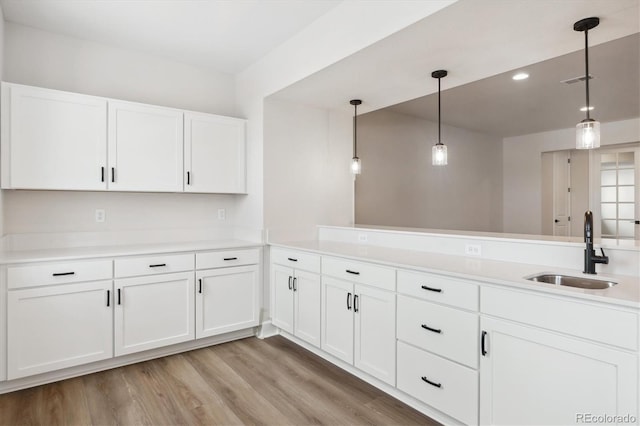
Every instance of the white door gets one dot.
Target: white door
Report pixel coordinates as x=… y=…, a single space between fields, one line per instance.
x=561 y=194
x=306 y=290
x=53 y=139
x=282 y=297
x=530 y=376
x=58 y=326
x=214 y=153
x=145 y=148
x=227 y=299
x=337 y=318
x=153 y=311
x=375 y=332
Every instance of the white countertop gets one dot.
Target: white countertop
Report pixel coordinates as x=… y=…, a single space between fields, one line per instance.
x=75 y=253
x=625 y=293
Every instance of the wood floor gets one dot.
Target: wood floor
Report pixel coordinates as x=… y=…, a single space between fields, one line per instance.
x=250 y=381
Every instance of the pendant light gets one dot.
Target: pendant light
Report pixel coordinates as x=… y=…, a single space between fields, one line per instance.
x=439 y=150
x=588 y=130
x=356 y=166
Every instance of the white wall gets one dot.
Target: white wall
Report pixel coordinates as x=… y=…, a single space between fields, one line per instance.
x=306 y=170
x=400 y=187
x=522 y=169
x=40 y=58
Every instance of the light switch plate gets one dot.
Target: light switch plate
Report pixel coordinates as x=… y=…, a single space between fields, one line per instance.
x=100 y=215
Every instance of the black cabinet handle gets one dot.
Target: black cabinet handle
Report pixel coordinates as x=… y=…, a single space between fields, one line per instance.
x=60 y=274
x=188 y=178
x=200 y=285
x=295 y=279
x=290 y=285
x=435 y=330
x=292 y=259
x=438 y=385
x=101 y=174
x=348 y=301
x=108 y=298
x=355 y=303
x=483 y=348
x=119 y=298
x=437 y=290
x=157 y=265
x=230 y=258
x=113 y=174
x=352 y=272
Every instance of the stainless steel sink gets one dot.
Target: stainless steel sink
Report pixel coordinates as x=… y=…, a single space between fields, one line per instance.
x=567 y=280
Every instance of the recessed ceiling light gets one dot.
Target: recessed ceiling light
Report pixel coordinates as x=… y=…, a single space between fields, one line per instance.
x=584 y=108
x=520 y=76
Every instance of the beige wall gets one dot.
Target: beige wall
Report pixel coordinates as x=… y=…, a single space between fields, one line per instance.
x=399 y=186
x=306 y=170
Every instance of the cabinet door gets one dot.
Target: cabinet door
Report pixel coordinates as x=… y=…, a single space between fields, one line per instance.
x=306 y=290
x=227 y=299
x=153 y=311
x=375 y=332
x=337 y=318
x=58 y=326
x=145 y=148
x=214 y=154
x=282 y=297
x=53 y=140
x=537 y=377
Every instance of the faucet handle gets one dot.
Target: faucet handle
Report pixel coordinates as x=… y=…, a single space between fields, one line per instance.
x=604 y=258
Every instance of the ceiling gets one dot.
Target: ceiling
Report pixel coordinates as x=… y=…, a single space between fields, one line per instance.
x=221 y=35
x=500 y=106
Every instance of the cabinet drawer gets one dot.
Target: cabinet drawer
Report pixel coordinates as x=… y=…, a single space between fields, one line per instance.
x=220 y=259
x=457 y=393
x=599 y=323
x=150 y=265
x=448 y=332
x=360 y=272
x=296 y=259
x=436 y=288
x=58 y=273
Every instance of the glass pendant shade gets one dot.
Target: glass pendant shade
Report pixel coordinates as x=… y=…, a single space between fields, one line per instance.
x=588 y=134
x=356 y=167
x=439 y=155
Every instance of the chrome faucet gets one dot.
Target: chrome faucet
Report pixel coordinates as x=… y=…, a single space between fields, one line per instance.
x=590 y=256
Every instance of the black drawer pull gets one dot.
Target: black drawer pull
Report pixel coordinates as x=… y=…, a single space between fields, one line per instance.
x=295 y=287
x=230 y=258
x=113 y=174
x=352 y=272
x=200 y=285
x=157 y=265
x=60 y=274
x=290 y=285
x=102 y=174
x=355 y=303
x=292 y=259
x=348 y=301
x=435 y=330
x=483 y=348
x=108 y=298
x=188 y=178
x=119 y=298
x=437 y=290
x=438 y=385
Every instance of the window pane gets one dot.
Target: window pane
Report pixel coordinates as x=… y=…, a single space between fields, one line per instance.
x=608 y=210
x=609 y=227
x=608 y=161
x=625 y=193
x=625 y=211
x=608 y=195
x=625 y=160
x=608 y=177
x=625 y=229
x=625 y=176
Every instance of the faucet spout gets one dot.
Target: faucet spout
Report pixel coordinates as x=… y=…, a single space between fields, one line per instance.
x=590 y=256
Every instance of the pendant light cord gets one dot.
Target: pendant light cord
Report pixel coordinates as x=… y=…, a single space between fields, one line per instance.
x=439 y=138
x=355 y=131
x=586 y=66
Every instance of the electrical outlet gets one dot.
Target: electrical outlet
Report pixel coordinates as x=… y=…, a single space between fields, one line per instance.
x=100 y=215
x=473 y=249
x=222 y=214
x=363 y=238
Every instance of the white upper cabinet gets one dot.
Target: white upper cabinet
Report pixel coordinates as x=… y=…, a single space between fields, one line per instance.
x=145 y=148
x=53 y=139
x=214 y=154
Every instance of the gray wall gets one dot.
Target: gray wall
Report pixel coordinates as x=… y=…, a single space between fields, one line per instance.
x=399 y=186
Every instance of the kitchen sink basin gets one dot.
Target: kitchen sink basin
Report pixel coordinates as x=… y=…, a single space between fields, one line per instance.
x=567 y=280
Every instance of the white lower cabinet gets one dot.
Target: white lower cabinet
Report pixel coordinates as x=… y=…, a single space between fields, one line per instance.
x=532 y=376
x=58 y=326
x=227 y=299
x=153 y=311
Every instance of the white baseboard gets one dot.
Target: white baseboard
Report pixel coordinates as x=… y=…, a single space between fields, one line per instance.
x=267 y=329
